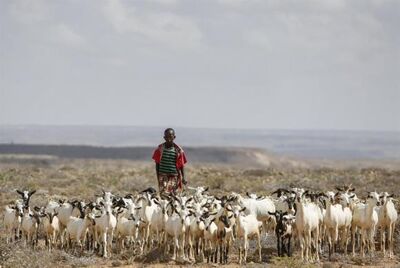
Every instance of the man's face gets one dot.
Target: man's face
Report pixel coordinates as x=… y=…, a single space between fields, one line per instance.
x=169 y=136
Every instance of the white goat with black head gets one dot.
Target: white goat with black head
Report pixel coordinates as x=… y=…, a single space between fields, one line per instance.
x=26 y=196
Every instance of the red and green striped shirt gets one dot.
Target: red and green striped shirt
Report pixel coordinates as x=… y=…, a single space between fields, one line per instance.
x=168 y=161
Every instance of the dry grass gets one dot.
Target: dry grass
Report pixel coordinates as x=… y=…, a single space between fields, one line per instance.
x=84 y=178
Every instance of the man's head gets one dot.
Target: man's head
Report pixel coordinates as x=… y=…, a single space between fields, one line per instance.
x=169 y=135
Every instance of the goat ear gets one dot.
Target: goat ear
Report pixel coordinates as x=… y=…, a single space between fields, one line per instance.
x=275 y=192
x=20 y=192
x=32 y=192
x=392 y=195
x=271 y=213
x=352 y=189
x=189 y=199
x=338 y=188
x=243 y=209
x=206 y=189
x=352 y=196
x=247 y=193
x=36 y=208
x=156 y=201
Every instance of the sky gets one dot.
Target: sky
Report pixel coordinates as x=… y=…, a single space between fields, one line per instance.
x=271 y=64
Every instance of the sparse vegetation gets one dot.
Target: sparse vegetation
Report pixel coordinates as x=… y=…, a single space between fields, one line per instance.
x=76 y=178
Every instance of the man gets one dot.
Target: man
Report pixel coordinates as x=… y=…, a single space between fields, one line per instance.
x=170 y=160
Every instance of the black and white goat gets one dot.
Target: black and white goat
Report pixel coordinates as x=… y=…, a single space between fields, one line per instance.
x=283 y=231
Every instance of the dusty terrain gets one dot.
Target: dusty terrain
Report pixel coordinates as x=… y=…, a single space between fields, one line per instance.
x=83 y=178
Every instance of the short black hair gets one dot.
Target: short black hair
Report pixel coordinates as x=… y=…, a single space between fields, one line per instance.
x=168 y=130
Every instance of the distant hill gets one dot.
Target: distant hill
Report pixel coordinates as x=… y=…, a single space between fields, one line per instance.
x=219 y=155
x=309 y=144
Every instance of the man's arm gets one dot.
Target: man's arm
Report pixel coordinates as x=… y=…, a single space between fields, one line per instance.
x=183 y=175
x=157 y=170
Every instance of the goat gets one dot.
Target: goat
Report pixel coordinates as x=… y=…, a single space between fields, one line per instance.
x=224 y=237
x=307 y=225
x=366 y=218
x=105 y=226
x=29 y=226
x=387 y=217
x=127 y=227
x=259 y=207
x=12 y=220
x=283 y=231
x=26 y=196
x=77 y=228
x=51 y=226
x=247 y=226
x=334 y=219
x=175 y=226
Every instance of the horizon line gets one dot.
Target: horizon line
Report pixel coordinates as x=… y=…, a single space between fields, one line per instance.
x=201 y=127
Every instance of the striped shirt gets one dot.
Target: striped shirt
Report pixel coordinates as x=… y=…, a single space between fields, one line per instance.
x=168 y=161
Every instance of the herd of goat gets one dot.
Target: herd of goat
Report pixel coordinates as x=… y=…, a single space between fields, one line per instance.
x=198 y=226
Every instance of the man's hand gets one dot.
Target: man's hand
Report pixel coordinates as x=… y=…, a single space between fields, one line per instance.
x=184 y=181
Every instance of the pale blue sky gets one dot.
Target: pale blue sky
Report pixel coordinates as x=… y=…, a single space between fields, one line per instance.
x=286 y=64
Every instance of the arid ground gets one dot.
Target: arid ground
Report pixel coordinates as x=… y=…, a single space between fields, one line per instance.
x=57 y=178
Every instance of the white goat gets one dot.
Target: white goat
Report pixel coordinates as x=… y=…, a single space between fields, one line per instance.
x=334 y=220
x=176 y=228
x=307 y=225
x=12 y=220
x=29 y=226
x=247 y=226
x=387 y=217
x=127 y=227
x=260 y=207
x=365 y=218
x=77 y=228
x=210 y=236
x=105 y=226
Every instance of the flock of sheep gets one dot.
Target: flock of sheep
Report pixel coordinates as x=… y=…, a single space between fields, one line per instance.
x=200 y=226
